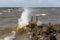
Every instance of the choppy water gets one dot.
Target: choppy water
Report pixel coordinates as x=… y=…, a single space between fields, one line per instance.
x=11 y=19
x=53 y=14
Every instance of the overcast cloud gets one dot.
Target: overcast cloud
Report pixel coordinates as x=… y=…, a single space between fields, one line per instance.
x=29 y=3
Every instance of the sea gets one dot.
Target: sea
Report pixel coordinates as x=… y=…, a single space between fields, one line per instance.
x=9 y=16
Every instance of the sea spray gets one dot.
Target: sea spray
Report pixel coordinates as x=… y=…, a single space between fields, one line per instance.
x=26 y=17
x=24 y=20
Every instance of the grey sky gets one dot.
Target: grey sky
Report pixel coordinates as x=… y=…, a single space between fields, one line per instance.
x=29 y=3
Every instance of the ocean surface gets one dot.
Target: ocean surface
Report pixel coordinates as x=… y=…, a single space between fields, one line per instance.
x=8 y=19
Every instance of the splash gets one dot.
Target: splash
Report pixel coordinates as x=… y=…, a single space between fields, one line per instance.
x=24 y=20
x=27 y=15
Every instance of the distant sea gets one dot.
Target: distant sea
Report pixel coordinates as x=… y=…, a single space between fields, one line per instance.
x=11 y=19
